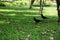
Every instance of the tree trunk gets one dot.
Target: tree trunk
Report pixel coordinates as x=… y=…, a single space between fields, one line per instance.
x=58 y=9
x=32 y=1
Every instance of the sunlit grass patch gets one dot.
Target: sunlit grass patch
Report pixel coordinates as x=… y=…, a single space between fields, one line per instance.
x=30 y=15
x=6 y=10
x=11 y=14
x=2 y=22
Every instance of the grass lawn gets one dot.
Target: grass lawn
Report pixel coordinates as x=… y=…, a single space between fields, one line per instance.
x=16 y=23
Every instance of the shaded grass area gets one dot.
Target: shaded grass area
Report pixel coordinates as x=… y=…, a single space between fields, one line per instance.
x=17 y=22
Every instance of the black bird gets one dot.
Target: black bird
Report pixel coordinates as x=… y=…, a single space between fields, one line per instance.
x=36 y=20
x=43 y=16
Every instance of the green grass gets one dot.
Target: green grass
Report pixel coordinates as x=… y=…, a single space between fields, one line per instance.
x=17 y=22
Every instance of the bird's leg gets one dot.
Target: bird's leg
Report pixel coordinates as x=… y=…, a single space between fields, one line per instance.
x=41 y=8
x=32 y=1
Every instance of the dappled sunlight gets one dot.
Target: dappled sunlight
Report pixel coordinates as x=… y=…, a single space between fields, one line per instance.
x=11 y=14
x=2 y=22
x=26 y=11
x=30 y=15
x=36 y=8
x=51 y=14
x=6 y=10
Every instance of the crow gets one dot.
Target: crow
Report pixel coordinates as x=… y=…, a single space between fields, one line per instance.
x=43 y=16
x=36 y=20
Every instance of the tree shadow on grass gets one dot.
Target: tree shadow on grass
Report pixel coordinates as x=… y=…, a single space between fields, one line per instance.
x=43 y=5
x=18 y=8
